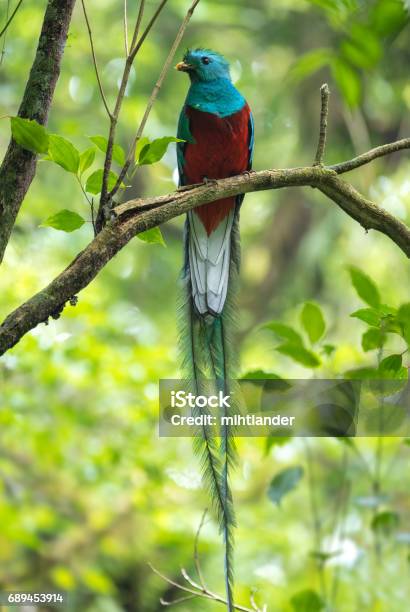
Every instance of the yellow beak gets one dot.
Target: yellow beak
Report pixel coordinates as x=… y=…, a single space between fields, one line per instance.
x=183 y=67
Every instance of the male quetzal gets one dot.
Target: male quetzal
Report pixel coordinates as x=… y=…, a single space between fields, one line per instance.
x=216 y=126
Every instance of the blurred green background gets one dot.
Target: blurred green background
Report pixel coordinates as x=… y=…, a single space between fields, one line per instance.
x=88 y=492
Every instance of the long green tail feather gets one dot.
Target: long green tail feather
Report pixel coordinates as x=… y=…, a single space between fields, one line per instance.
x=205 y=345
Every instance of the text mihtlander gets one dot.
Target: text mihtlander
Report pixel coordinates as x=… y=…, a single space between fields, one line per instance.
x=275 y=420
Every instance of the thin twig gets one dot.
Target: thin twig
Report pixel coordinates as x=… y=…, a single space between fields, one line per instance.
x=91 y=204
x=97 y=74
x=10 y=19
x=190 y=581
x=105 y=196
x=198 y=590
x=153 y=96
x=125 y=29
x=164 y=602
x=202 y=593
x=196 y=553
x=253 y=602
x=369 y=156
x=3 y=49
x=135 y=47
x=324 y=111
x=137 y=24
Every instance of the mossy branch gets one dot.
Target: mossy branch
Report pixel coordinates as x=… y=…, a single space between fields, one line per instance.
x=139 y=215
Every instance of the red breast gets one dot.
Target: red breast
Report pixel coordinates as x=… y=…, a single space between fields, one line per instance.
x=221 y=150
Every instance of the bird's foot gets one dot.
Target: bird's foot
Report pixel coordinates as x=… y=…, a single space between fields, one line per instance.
x=188 y=187
x=248 y=173
x=209 y=181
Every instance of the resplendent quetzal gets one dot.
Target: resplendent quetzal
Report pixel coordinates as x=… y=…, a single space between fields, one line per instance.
x=216 y=126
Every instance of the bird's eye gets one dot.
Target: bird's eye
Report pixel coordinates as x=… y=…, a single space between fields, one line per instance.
x=205 y=60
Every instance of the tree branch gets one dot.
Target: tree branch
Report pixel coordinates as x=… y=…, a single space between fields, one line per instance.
x=324 y=91
x=198 y=590
x=365 y=158
x=139 y=215
x=18 y=167
x=136 y=216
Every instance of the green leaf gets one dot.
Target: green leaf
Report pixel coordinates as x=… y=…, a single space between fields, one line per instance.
x=260 y=375
x=141 y=144
x=391 y=364
x=362 y=374
x=29 y=134
x=94 y=181
x=310 y=63
x=363 y=48
x=373 y=339
x=369 y=315
x=328 y=349
x=348 y=81
x=86 y=159
x=152 y=236
x=65 y=220
x=118 y=153
x=283 y=483
x=155 y=150
x=313 y=321
x=63 y=153
x=300 y=354
x=275 y=441
x=385 y=523
x=389 y=17
x=365 y=287
x=307 y=601
x=285 y=332
x=403 y=320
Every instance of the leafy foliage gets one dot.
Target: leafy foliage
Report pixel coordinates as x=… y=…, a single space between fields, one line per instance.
x=65 y=220
x=307 y=601
x=314 y=326
x=365 y=287
x=63 y=153
x=92 y=493
x=283 y=483
x=154 y=151
x=118 y=153
x=300 y=354
x=313 y=321
x=152 y=236
x=29 y=134
x=94 y=181
x=86 y=159
x=385 y=522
